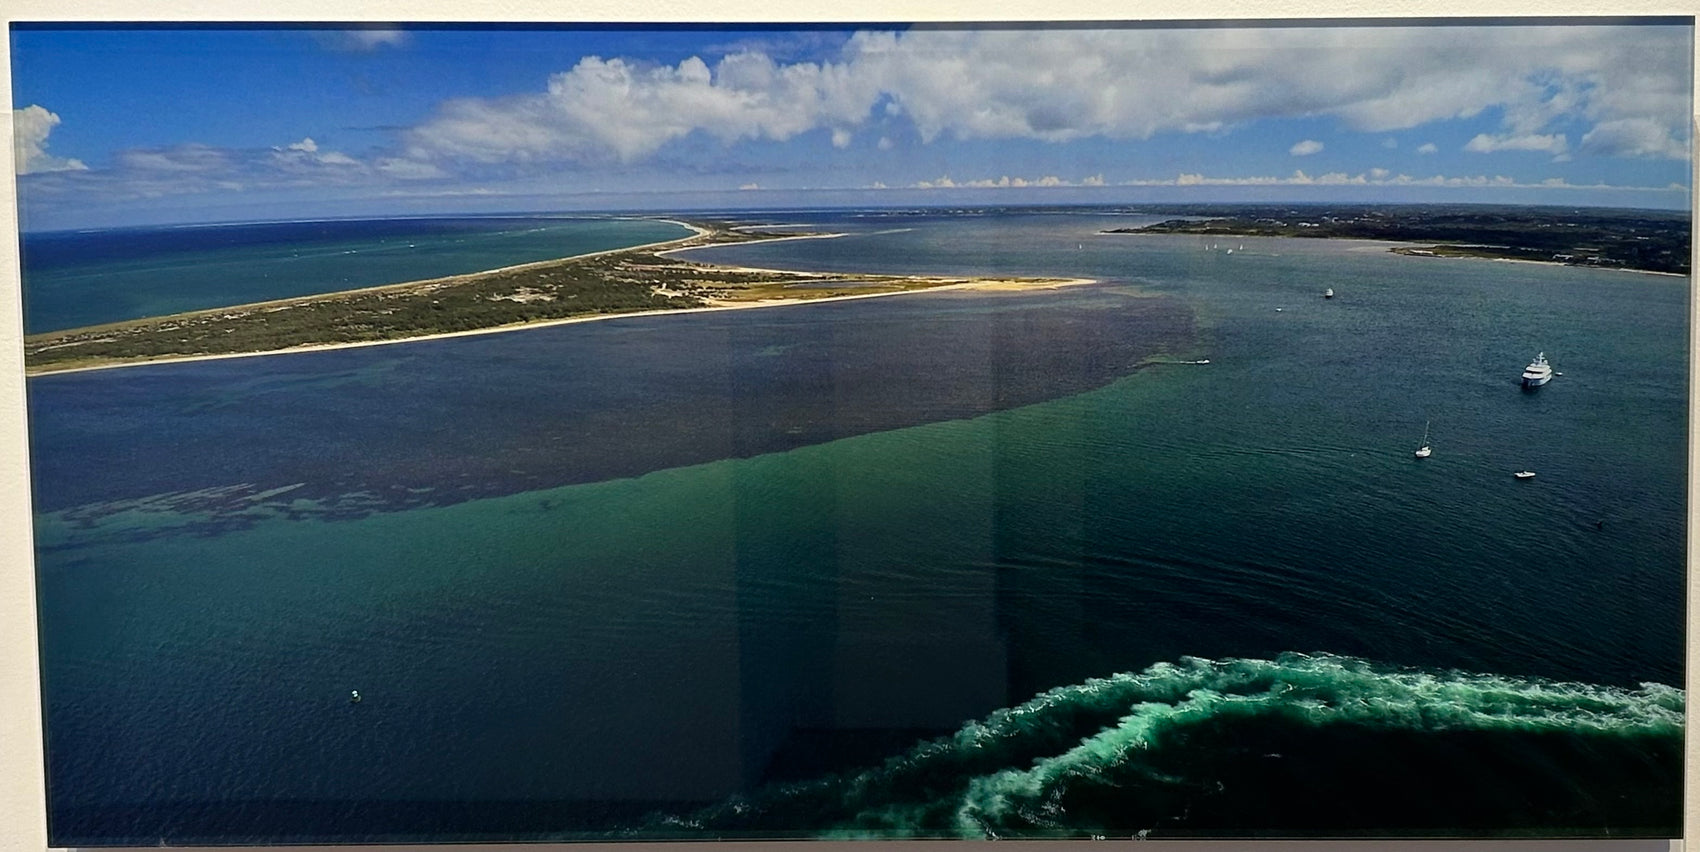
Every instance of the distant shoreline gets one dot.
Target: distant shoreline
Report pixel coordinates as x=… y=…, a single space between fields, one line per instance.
x=1426 y=251
x=831 y=236
x=1634 y=241
x=908 y=283
x=1406 y=249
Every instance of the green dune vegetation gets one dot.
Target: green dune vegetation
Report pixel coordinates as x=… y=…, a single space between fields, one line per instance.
x=1644 y=240
x=642 y=279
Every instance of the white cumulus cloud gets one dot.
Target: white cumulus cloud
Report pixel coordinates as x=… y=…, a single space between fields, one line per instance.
x=1004 y=182
x=1634 y=137
x=1550 y=143
x=1117 y=83
x=630 y=109
x=1563 y=91
x=30 y=128
x=1381 y=177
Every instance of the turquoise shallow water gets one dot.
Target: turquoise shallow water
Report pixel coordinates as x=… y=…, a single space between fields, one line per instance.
x=87 y=278
x=833 y=614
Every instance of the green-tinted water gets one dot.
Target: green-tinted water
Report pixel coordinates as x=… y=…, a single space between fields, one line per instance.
x=662 y=641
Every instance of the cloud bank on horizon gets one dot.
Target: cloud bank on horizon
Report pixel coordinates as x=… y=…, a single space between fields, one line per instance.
x=1554 y=107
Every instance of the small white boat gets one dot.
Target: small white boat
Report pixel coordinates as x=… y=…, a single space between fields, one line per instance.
x=354 y=696
x=1538 y=373
x=1328 y=293
x=1277 y=310
x=1524 y=474
x=1423 y=450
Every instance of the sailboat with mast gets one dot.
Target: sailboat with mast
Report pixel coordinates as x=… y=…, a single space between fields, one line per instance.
x=1423 y=449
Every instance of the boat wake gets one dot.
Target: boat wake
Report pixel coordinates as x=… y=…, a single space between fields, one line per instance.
x=1299 y=745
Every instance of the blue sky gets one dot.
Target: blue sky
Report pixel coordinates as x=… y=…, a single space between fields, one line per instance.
x=151 y=125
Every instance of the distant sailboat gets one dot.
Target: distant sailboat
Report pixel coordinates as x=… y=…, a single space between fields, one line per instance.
x=1423 y=450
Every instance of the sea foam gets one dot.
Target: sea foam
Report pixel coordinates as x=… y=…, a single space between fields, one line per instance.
x=1138 y=751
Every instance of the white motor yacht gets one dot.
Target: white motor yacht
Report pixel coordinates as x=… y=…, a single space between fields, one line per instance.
x=1538 y=373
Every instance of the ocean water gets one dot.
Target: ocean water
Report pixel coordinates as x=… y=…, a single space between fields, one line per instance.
x=80 y=278
x=950 y=564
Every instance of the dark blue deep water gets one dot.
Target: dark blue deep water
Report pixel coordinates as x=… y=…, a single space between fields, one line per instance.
x=959 y=564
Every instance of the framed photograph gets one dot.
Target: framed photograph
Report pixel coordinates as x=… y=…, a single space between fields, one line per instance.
x=493 y=431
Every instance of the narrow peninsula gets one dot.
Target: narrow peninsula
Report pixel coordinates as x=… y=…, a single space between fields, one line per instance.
x=640 y=280
x=1642 y=240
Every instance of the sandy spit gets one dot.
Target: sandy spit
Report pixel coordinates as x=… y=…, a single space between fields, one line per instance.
x=988 y=284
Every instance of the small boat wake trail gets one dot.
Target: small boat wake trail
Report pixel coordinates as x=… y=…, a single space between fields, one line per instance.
x=1302 y=745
